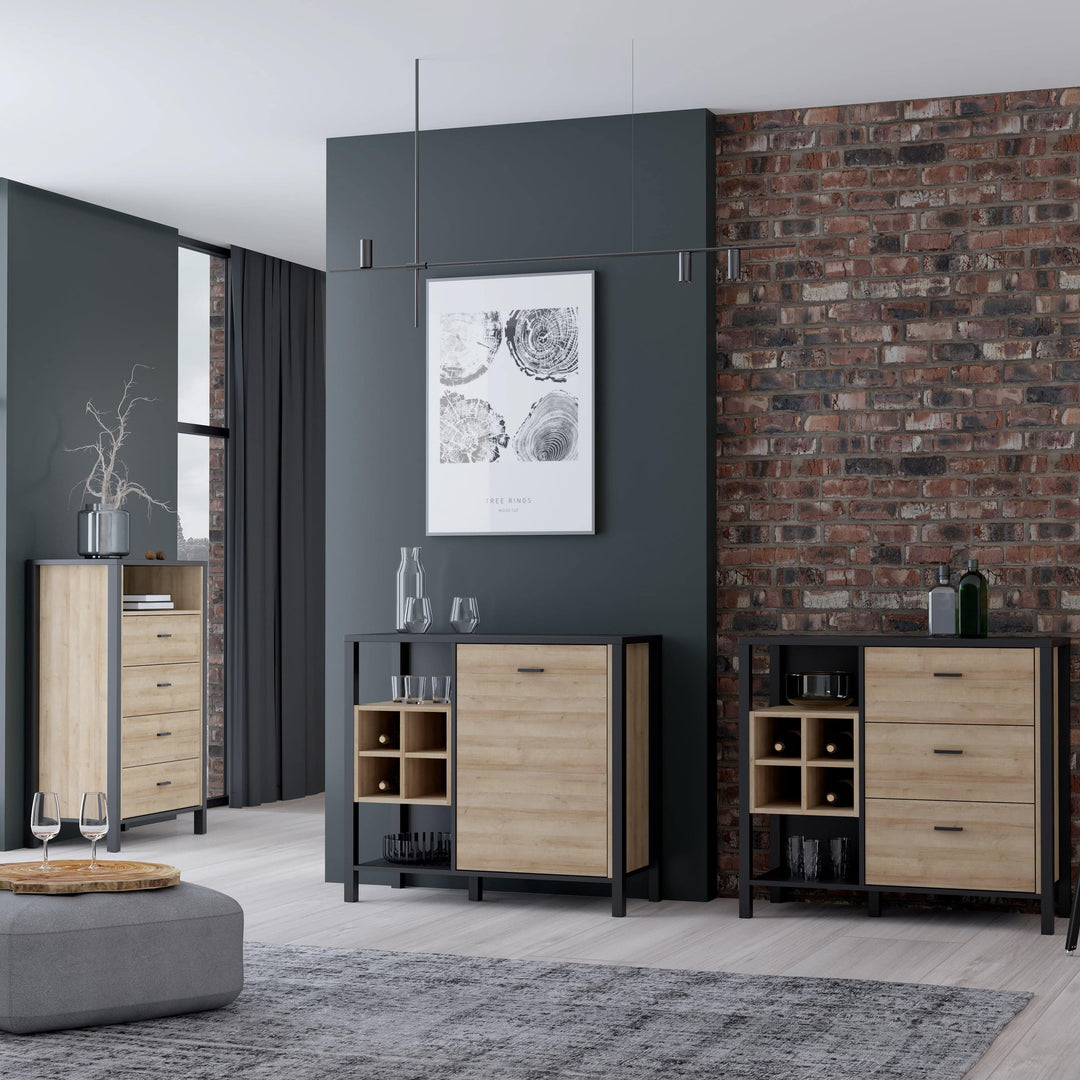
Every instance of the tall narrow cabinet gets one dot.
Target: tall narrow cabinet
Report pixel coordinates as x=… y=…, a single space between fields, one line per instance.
x=117 y=698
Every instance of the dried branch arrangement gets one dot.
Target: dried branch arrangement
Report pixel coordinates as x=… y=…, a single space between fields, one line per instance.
x=108 y=482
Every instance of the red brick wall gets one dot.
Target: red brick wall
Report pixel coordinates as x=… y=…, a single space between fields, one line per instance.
x=897 y=375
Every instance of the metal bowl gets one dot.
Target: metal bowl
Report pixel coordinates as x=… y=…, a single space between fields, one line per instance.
x=820 y=687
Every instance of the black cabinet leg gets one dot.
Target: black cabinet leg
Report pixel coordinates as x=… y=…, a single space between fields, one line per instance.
x=1047 y=909
x=476 y=888
x=618 y=897
x=778 y=895
x=873 y=904
x=200 y=822
x=352 y=886
x=112 y=839
x=1061 y=897
x=654 y=884
x=746 y=900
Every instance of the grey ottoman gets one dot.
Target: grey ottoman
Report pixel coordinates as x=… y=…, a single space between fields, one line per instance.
x=105 y=958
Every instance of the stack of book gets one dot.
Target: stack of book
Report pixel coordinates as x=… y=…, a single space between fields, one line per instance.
x=148 y=601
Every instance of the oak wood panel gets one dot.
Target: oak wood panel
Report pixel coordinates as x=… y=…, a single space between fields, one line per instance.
x=183 y=583
x=159 y=688
x=158 y=737
x=949 y=685
x=169 y=785
x=997 y=763
x=995 y=849
x=73 y=686
x=637 y=756
x=168 y=639
x=532 y=759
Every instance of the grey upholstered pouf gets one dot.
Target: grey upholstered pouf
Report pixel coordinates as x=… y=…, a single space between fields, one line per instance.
x=105 y=958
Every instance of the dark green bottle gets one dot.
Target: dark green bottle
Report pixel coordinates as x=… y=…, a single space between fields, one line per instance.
x=973 y=602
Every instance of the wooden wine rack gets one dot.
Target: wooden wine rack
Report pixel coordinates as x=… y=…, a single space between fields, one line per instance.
x=415 y=759
x=797 y=783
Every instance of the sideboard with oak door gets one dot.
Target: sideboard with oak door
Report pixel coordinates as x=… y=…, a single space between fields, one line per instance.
x=116 y=699
x=958 y=771
x=543 y=766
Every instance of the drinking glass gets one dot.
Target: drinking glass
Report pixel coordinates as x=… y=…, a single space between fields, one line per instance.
x=795 y=856
x=811 y=853
x=414 y=689
x=397 y=687
x=464 y=614
x=45 y=821
x=94 y=822
x=417 y=614
x=440 y=688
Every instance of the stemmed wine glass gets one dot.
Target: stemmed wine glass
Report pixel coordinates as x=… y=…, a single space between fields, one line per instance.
x=94 y=822
x=45 y=821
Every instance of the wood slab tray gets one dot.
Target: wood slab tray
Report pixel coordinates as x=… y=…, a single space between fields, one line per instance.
x=68 y=876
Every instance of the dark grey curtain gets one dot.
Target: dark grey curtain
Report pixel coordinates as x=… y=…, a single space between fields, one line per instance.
x=275 y=575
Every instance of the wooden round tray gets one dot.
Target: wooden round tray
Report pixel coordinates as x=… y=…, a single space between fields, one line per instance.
x=67 y=876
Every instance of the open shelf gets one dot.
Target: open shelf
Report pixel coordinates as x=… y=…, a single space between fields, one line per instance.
x=799 y=754
x=414 y=758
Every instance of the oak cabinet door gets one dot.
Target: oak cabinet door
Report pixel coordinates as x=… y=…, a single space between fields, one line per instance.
x=532 y=759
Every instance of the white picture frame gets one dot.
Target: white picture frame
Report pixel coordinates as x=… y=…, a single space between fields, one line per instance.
x=511 y=405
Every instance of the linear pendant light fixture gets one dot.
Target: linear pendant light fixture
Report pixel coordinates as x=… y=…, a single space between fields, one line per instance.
x=684 y=266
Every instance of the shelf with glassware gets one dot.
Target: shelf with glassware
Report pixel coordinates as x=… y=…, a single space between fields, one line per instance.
x=402 y=753
x=481 y=768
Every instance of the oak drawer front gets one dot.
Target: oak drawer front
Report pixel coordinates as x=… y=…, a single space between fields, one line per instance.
x=532 y=759
x=950 y=845
x=154 y=738
x=968 y=762
x=153 y=789
x=159 y=688
x=949 y=685
x=161 y=639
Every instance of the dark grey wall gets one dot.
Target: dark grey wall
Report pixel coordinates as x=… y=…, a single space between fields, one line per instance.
x=90 y=293
x=522 y=190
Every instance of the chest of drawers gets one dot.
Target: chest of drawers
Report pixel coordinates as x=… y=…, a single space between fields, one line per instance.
x=117 y=697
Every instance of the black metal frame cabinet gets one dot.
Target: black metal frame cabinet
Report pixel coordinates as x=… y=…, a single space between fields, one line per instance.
x=931 y=698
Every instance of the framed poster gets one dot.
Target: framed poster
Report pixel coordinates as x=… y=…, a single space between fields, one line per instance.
x=510 y=405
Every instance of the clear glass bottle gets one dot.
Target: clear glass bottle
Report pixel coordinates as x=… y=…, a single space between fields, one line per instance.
x=974 y=602
x=410 y=582
x=943 y=611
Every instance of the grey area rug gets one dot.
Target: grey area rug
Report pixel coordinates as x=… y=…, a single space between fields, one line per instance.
x=337 y=1014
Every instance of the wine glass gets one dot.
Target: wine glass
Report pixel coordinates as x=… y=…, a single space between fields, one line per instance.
x=45 y=821
x=94 y=822
x=464 y=614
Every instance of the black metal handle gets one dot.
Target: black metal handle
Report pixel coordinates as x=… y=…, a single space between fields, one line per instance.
x=160 y=733
x=936 y=751
x=948 y=674
x=164 y=684
x=164 y=635
x=948 y=828
x=536 y=669
x=164 y=783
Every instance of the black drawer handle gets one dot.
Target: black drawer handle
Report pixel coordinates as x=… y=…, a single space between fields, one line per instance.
x=164 y=783
x=160 y=733
x=948 y=674
x=534 y=669
x=948 y=828
x=936 y=751
x=164 y=635
x=164 y=684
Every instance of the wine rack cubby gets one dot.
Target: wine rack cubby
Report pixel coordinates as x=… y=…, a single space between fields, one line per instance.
x=805 y=761
x=402 y=753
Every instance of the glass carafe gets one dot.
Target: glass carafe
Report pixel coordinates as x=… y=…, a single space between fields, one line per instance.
x=410 y=582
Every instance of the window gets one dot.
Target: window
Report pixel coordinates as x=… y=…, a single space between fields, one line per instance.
x=202 y=438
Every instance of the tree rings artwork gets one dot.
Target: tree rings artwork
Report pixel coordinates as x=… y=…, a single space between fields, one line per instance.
x=510 y=404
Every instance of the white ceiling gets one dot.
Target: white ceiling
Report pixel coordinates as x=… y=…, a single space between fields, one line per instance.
x=211 y=115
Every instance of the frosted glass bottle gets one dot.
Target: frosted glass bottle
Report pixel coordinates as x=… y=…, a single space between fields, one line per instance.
x=974 y=602
x=943 y=617
x=410 y=582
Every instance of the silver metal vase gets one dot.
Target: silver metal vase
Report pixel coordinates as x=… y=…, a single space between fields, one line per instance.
x=104 y=533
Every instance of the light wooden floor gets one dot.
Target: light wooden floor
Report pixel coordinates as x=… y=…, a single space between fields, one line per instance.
x=271 y=859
